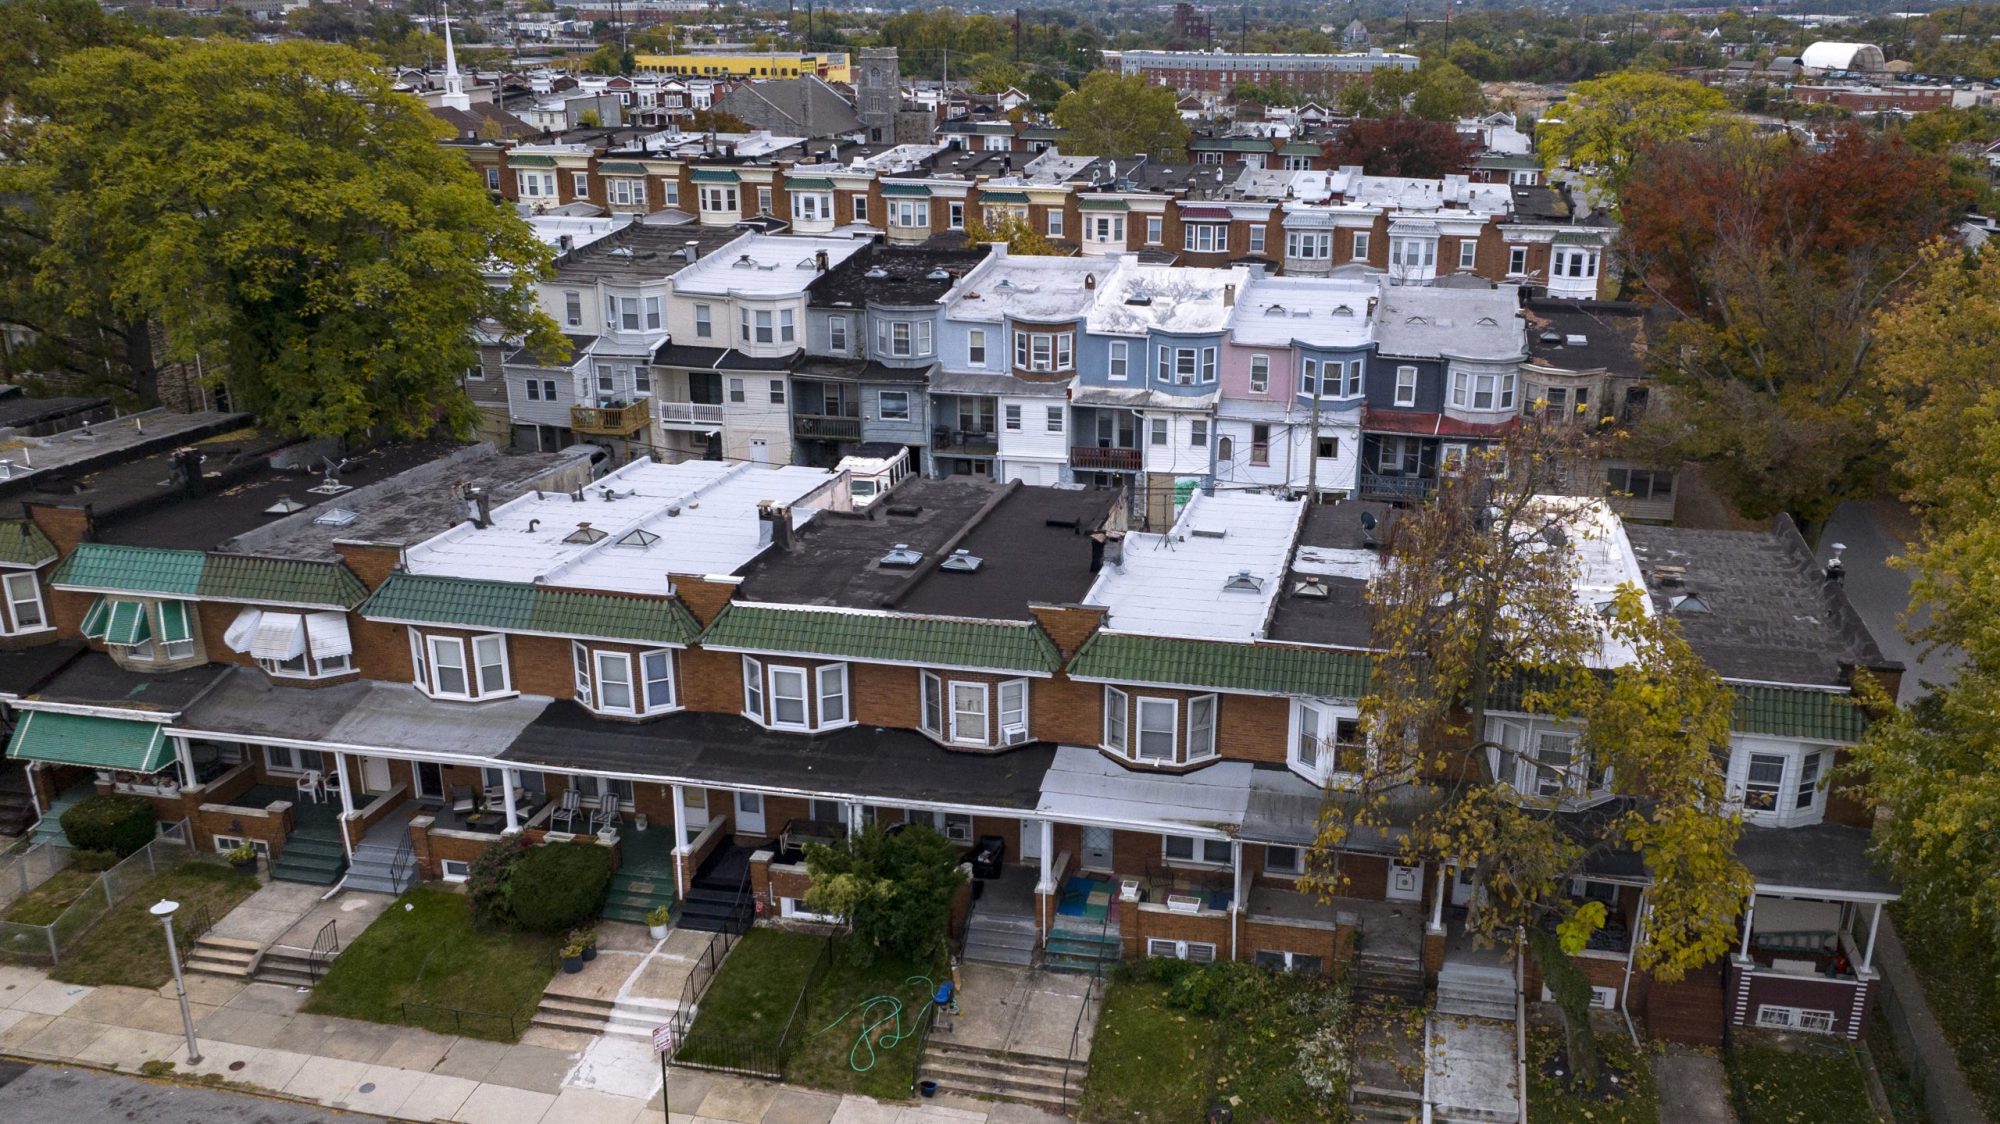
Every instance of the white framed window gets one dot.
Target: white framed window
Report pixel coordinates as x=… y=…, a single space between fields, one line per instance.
x=1208 y=364
x=1478 y=390
x=579 y=184
x=490 y=653
x=836 y=333
x=1764 y=781
x=1256 y=238
x=1575 y=262
x=454 y=870
x=1055 y=419
x=537 y=185
x=763 y=200
x=736 y=390
x=1361 y=240
x=627 y=191
x=1055 y=222
x=1517 y=261
x=226 y=843
x=812 y=207
x=1406 y=386
x=955 y=215
x=893 y=405
x=573 y=309
x=1309 y=245
x=24 y=603
x=652 y=314
x=968 y=713
x=859 y=208
x=1354 y=384
x=1114 y=720
x=614 y=683
x=1201 y=727
x=1105 y=228
x=445 y=667
x=1201 y=952
x=1205 y=238
x=704 y=324
x=1198 y=433
x=579 y=657
x=493 y=179
x=909 y=213
x=975 y=347
x=1468 y=254
x=1155 y=229
x=787 y=327
x=753 y=688
x=932 y=716
x=1184 y=365
x=777 y=392
x=1309 y=378
x=831 y=682
x=1413 y=253
x=1115 y=363
x=1156 y=430
x=1013 y=711
x=656 y=679
x=788 y=697
x=1189 y=849
x=1260 y=373
x=1807 y=789
x=1290 y=961
x=1795 y=1018
x=719 y=200
x=1012 y=413
x=1158 y=721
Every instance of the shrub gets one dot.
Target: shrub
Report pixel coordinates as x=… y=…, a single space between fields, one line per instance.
x=560 y=886
x=91 y=862
x=895 y=890
x=119 y=824
x=487 y=879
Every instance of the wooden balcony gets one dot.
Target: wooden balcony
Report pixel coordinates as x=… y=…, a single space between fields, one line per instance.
x=1396 y=489
x=1106 y=460
x=705 y=415
x=611 y=421
x=826 y=427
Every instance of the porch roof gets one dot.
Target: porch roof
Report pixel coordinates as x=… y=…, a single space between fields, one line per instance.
x=1825 y=860
x=94 y=679
x=1085 y=786
x=861 y=762
x=95 y=743
x=363 y=715
x=23 y=670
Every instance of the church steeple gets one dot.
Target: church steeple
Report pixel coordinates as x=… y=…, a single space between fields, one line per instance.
x=454 y=86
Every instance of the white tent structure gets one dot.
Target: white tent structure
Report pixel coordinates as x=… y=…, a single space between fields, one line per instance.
x=1823 y=57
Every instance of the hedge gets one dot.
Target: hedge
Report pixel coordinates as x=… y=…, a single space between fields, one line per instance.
x=558 y=886
x=119 y=824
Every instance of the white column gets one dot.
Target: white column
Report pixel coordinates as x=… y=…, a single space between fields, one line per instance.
x=346 y=789
x=508 y=779
x=186 y=761
x=680 y=821
x=1235 y=891
x=1047 y=884
x=1749 y=915
x=1437 y=899
x=1868 y=954
x=854 y=819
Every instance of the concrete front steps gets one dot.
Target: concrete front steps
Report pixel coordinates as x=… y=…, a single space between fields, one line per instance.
x=1021 y=1078
x=636 y=890
x=1369 y=1102
x=1001 y=939
x=1475 y=992
x=49 y=828
x=290 y=967
x=380 y=868
x=1386 y=979
x=1078 y=950
x=631 y=1017
x=313 y=857
x=223 y=956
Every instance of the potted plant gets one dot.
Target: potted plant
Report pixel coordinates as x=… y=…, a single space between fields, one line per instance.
x=572 y=958
x=243 y=857
x=585 y=939
x=657 y=922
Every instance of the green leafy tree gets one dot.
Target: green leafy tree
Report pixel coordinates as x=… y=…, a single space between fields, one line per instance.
x=1605 y=123
x=894 y=890
x=1115 y=115
x=279 y=209
x=1436 y=90
x=1478 y=603
x=1022 y=239
x=35 y=33
x=609 y=59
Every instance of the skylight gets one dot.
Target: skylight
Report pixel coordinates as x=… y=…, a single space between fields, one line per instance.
x=586 y=534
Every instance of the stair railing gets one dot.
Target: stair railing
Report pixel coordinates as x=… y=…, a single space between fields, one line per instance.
x=1090 y=992
x=325 y=947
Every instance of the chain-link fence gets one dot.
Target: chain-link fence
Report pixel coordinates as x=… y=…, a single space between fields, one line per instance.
x=23 y=871
x=48 y=943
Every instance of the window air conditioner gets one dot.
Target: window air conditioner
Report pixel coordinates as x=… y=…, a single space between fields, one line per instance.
x=1014 y=735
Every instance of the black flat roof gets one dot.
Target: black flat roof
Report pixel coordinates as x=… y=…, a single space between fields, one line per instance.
x=893 y=275
x=1828 y=856
x=18 y=409
x=1766 y=610
x=24 y=670
x=1610 y=331
x=94 y=680
x=860 y=762
x=1340 y=617
x=838 y=557
x=1034 y=547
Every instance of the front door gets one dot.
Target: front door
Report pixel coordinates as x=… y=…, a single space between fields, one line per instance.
x=375 y=774
x=1031 y=840
x=1406 y=883
x=1096 y=849
x=1463 y=892
x=750 y=814
x=430 y=780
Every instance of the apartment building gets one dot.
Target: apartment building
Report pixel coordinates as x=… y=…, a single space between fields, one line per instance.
x=731 y=659
x=1219 y=70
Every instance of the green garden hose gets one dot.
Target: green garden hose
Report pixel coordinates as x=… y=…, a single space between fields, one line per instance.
x=869 y=1023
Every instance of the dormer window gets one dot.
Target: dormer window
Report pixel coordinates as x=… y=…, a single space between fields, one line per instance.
x=293 y=645
x=142 y=631
x=1157 y=730
x=466 y=668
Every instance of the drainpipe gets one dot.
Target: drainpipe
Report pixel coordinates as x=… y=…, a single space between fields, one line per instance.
x=1632 y=950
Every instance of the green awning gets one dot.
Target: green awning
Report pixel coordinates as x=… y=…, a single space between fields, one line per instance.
x=1003 y=197
x=1577 y=238
x=621 y=168
x=531 y=161
x=889 y=187
x=174 y=622
x=808 y=183
x=714 y=175
x=90 y=741
x=1101 y=203
x=94 y=620
x=128 y=624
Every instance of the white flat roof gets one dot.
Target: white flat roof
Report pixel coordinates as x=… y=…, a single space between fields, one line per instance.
x=764 y=265
x=1028 y=288
x=1187 y=582
x=703 y=512
x=1326 y=311
x=1176 y=299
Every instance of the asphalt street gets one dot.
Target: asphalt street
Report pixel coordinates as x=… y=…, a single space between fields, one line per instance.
x=46 y=1094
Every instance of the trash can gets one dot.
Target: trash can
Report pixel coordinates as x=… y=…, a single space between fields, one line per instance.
x=987 y=857
x=927 y=1087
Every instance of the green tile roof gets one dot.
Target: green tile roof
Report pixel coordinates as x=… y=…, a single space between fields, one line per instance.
x=516 y=607
x=808 y=183
x=714 y=175
x=1792 y=712
x=93 y=742
x=531 y=161
x=891 y=187
x=1101 y=203
x=621 y=168
x=1278 y=669
x=1003 y=197
x=103 y=568
x=23 y=544
x=932 y=641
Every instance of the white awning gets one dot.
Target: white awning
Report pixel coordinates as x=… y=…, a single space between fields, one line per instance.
x=327 y=632
x=280 y=636
x=1083 y=785
x=241 y=630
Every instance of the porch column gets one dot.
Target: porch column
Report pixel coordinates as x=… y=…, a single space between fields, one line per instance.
x=1868 y=954
x=346 y=789
x=854 y=820
x=185 y=760
x=1235 y=891
x=1749 y=915
x=507 y=780
x=1047 y=882
x=680 y=821
x=1437 y=899
x=34 y=792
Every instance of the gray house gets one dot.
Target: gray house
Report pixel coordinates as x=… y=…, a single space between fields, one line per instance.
x=872 y=337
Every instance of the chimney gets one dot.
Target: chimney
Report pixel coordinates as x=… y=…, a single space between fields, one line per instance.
x=481 y=504
x=779 y=516
x=188 y=461
x=820 y=260
x=693 y=249
x=1835 y=568
x=1229 y=296
x=1089 y=281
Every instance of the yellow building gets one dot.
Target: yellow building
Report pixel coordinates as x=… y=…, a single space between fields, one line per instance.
x=831 y=65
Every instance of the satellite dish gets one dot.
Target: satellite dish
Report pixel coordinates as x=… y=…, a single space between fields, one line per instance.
x=1367 y=520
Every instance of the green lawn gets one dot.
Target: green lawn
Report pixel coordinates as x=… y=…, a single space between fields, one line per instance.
x=1173 y=1038
x=744 y=1013
x=1631 y=1099
x=128 y=945
x=1149 y=1061
x=1779 y=1081
x=1967 y=1009
x=47 y=901
x=422 y=963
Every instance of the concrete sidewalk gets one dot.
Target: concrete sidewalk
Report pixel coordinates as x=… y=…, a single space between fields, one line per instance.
x=255 y=1035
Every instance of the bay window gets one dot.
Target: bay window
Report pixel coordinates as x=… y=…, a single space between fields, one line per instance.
x=285 y=645
x=1309 y=245
x=1114 y=720
x=814 y=207
x=614 y=681
x=1044 y=351
x=1205 y=238
x=788 y=696
x=451 y=667
x=1326 y=741
x=1473 y=390
x=968 y=713
x=1157 y=719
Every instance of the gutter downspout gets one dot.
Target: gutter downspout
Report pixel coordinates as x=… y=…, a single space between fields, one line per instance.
x=1631 y=951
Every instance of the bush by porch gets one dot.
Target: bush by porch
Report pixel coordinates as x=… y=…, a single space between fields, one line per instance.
x=1175 y=1037
x=423 y=963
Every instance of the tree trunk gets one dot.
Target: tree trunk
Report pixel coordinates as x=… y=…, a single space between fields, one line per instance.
x=142 y=369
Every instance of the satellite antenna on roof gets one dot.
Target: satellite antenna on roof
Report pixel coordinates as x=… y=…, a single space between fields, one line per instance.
x=1368 y=538
x=331 y=485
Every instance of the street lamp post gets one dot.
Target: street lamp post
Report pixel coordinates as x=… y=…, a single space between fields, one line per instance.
x=164 y=910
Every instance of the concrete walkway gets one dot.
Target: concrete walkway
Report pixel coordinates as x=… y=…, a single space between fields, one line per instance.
x=291 y=914
x=255 y=1035
x=1693 y=1087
